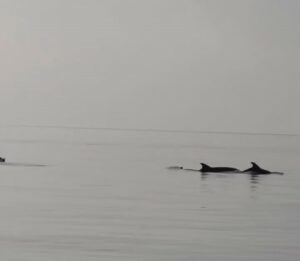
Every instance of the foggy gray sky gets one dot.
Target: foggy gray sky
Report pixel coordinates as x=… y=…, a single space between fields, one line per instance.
x=180 y=64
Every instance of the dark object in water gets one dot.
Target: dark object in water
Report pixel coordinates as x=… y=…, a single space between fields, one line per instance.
x=254 y=170
x=257 y=170
x=175 y=167
x=206 y=168
x=2 y=159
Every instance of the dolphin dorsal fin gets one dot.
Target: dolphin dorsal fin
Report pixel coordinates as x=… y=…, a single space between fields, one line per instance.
x=205 y=166
x=254 y=165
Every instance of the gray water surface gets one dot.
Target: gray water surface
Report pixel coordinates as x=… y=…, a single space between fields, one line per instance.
x=108 y=195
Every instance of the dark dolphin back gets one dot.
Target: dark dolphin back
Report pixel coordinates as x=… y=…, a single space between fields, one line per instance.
x=255 y=169
x=205 y=167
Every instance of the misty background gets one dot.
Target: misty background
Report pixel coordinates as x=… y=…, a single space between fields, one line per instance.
x=161 y=64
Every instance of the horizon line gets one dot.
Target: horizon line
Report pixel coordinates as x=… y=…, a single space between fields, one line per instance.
x=69 y=127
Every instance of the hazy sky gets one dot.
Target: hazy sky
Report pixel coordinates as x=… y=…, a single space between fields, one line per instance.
x=169 y=64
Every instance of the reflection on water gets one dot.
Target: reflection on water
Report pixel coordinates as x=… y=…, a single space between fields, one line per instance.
x=116 y=200
x=254 y=179
x=204 y=176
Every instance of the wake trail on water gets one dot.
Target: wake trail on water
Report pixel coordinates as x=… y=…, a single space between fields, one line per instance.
x=20 y=164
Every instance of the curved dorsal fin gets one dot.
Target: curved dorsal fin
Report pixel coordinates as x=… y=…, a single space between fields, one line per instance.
x=254 y=165
x=205 y=166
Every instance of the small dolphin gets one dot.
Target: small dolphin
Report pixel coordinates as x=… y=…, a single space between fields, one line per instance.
x=206 y=168
x=255 y=169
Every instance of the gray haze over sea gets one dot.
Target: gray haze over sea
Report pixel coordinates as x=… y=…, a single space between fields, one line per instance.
x=108 y=195
x=209 y=65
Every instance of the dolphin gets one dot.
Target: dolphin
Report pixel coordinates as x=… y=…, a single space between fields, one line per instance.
x=257 y=170
x=205 y=168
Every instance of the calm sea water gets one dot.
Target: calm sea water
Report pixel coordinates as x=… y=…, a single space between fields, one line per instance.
x=108 y=195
